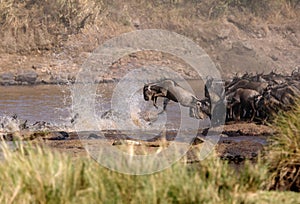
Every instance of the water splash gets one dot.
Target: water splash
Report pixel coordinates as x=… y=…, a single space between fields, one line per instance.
x=9 y=124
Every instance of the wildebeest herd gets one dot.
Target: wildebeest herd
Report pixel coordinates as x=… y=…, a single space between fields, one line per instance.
x=251 y=97
x=257 y=97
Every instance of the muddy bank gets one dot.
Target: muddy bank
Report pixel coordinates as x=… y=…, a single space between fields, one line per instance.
x=233 y=148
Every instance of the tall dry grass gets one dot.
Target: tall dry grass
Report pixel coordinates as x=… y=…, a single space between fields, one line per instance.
x=267 y=9
x=32 y=25
x=37 y=175
x=284 y=151
x=72 y=14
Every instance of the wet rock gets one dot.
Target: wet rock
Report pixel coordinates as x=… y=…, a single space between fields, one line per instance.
x=61 y=135
x=93 y=136
x=64 y=134
x=27 y=77
x=7 y=79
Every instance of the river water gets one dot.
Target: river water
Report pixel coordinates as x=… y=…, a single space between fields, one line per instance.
x=53 y=103
x=49 y=103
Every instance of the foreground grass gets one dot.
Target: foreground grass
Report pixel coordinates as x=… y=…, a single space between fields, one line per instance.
x=36 y=175
x=284 y=152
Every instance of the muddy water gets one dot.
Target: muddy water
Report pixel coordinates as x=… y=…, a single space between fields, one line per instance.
x=35 y=103
x=52 y=103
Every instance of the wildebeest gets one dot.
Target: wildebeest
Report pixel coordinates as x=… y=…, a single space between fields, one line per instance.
x=170 y=90
x=246 y=84
x=284 y=93
x=244 y=98
x=215 y=93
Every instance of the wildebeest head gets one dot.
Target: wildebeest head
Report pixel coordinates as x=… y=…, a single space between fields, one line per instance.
x=149 y=91
x=202 y=109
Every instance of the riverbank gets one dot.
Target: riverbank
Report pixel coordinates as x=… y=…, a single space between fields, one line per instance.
x=237 y=143
x=238 y=36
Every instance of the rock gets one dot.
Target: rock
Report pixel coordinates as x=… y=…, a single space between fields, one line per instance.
x=61 y=135
x=93 y=136
x=64 y=134
x=7 y=79
x=27 y=77
x=7 y=76
x=274 y=58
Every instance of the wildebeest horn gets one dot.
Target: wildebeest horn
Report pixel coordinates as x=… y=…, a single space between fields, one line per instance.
x=149 y=87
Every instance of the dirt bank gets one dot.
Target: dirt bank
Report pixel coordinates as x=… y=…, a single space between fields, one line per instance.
x=247 y=143
x=48 y=42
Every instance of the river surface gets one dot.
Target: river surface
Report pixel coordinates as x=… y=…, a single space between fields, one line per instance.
x=36 y=103
x=53 y=103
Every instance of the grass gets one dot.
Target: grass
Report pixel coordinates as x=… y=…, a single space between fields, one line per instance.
x=72 y=14
x=284 y=151
x=265 y=9
x=31 y=25
x=38 y=26
x=38 y=175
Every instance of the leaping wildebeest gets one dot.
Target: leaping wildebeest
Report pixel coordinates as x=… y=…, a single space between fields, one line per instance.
x=170 y=90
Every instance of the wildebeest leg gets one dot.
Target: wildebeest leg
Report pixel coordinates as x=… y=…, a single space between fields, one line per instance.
x=155 y=96
x=238 y=118
x=192 y=112
x=253 y=111
x=166 y=101
x=154 y=102
x=231 y=107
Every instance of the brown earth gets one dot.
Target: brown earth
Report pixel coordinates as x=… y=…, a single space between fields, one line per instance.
x=235 y=148
x=237 y=39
